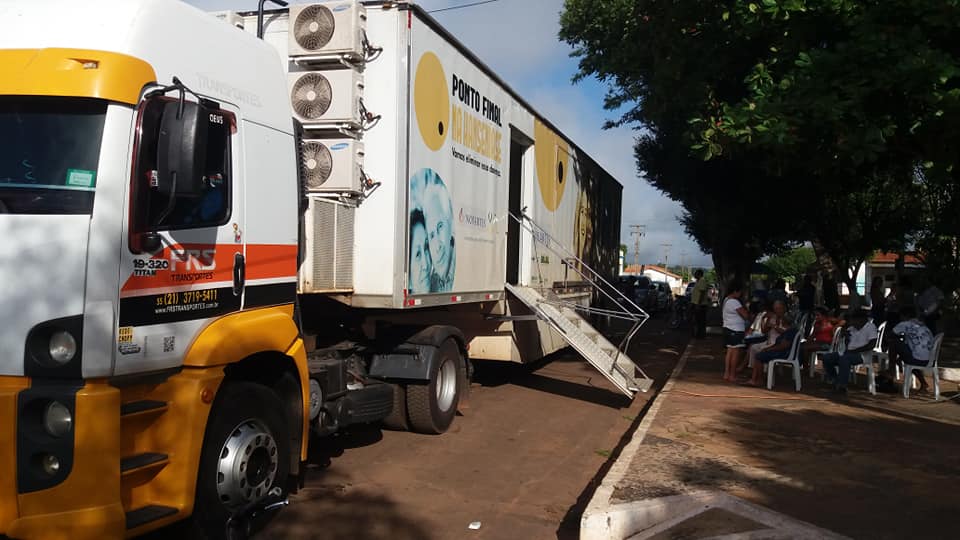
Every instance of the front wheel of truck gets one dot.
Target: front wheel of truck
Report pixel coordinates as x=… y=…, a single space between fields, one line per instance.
x=245 y=455
x=431 y=407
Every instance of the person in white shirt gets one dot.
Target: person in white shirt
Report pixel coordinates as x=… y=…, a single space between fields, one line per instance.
x=862 y=336
x=735 y=319
x=913 y=343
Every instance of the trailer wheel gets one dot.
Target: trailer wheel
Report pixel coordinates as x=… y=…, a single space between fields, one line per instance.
x=245 y=455
x=397 y=420
x=431 y=407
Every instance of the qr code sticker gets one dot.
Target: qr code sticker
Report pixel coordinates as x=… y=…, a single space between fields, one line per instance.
x=169 y=344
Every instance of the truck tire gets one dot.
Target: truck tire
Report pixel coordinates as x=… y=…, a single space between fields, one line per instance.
x=245 y=455
x=431 y=407
x=397 y=420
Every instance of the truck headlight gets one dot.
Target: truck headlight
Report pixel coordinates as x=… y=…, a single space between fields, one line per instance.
x=63 y=347
x=50 y=464
x=57 y=420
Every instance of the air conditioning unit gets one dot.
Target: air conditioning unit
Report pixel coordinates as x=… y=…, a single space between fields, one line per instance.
x=326 y=97
x=332 y=165
x=230 y=17
x=328 y=257
x=327 y=29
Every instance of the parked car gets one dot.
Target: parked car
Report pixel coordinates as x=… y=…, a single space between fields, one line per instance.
x=640 y=289
x=664 y=295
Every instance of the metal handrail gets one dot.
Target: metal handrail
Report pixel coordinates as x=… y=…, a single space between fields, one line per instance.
x=570 y=255
x=639 y=316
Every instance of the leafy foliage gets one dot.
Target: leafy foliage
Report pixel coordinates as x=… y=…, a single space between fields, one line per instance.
x=791 y=265
x=780 y=121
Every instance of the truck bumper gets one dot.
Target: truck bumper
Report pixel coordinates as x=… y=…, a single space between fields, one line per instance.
x=85 y=503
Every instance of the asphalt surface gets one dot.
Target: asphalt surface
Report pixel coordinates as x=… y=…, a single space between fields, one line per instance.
x=522 y=461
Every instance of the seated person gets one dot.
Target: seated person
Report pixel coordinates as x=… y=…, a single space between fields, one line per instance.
x=779 y=349
x=912 y=343
x=824 y=325
x=771 y=326
x=862 y=336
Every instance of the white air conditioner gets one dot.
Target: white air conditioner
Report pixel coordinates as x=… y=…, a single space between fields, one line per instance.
x=326 y=97
x=230 y=17
x=328 y=257
x=332 y=165
x=327 y=29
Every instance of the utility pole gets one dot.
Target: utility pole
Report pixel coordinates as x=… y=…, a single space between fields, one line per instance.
x=666 y=255
x=636 y=231
x=683 y=262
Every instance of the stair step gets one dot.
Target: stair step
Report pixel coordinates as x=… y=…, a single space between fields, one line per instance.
x=140 y=461
x=142 y=516
x=143 y=406
x=590 y=343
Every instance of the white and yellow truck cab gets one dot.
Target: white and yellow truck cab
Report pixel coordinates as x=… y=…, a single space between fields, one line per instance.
x=216 y=244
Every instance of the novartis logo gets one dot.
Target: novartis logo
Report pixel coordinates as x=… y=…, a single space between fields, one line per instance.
x=473 y=220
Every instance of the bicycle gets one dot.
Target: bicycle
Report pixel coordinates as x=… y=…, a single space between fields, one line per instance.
x=680 y=314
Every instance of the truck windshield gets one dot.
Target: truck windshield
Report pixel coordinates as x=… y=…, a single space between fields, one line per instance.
x=49 y=148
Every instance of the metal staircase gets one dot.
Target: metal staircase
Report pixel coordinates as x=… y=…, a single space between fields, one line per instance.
x=564 y=317
x=600 y=353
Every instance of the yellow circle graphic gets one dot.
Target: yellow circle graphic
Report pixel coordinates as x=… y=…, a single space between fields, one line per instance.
x=431 y=101
x=552 y=165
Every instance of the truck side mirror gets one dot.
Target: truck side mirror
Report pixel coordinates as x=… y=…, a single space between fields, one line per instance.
x=182 y=149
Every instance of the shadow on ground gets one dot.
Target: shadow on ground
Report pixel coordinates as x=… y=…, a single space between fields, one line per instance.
x=873 y=470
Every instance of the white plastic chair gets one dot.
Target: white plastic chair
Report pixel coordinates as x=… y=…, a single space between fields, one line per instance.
x=792 y=359
x=834 y=347
x=883 y=358
x=931 y=368
x=867 y=357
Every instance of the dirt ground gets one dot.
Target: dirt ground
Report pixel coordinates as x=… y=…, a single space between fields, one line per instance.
x=523 y=461
x=864 y=466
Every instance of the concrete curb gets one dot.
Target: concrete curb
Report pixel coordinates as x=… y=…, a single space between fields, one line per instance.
x=603 y=520
x=596 y=522
x=647 y=519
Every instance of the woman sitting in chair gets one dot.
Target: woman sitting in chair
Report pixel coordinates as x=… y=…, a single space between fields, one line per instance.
x=779 y=349
x=770 y=324
x=824 y=326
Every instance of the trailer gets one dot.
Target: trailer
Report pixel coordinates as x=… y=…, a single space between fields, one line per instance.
x=231 y=232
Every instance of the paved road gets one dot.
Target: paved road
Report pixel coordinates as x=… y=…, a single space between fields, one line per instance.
x=522 y=461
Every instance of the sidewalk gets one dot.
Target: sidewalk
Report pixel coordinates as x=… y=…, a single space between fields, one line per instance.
x=719 y=460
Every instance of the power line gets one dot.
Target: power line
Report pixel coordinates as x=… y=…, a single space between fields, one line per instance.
x=462 y=6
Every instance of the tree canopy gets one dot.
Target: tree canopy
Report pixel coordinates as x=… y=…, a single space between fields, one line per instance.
x=781 y=121
x=791 y=265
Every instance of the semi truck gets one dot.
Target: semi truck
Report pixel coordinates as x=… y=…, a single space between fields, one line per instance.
x=229 y=233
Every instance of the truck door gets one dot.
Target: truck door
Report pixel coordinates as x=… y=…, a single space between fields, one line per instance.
x=183 y=255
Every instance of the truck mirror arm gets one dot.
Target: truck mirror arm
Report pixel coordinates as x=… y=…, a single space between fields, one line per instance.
x=280 y=3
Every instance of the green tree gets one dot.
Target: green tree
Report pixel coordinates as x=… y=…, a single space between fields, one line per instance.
x=791 y=265
x=815 y=120
x=662 y=70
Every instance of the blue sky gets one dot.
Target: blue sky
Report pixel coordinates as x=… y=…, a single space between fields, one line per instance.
x=518 y=40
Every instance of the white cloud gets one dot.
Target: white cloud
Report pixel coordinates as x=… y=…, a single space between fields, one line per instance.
x=518 y=40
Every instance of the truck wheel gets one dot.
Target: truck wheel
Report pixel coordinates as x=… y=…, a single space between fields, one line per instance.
x=245 y=455
x=431 y=407
x=397 y=420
